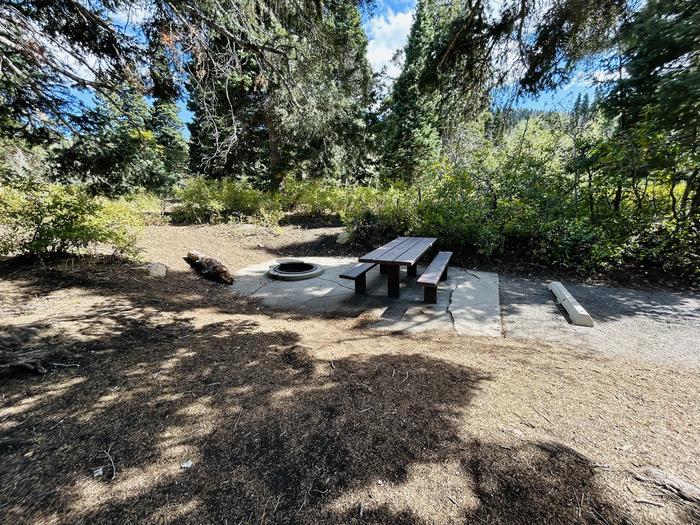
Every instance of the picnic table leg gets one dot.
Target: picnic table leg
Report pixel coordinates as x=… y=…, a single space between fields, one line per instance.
x=393 y=280
x=413 y=270
x=361 y=285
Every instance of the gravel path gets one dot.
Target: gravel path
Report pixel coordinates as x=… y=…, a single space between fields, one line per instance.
x=657 y=326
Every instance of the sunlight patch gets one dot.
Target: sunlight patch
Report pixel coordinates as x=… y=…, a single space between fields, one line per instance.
x=433 y=492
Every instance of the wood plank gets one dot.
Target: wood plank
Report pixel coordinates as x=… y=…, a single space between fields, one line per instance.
x=411 y=256
x=431 y=275
x=375 y=254
x=356 y=270
x=399 y=250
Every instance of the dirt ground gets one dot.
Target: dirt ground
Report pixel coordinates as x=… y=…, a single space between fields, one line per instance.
x=195 y=406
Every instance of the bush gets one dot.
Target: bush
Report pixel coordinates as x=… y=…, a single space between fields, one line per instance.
x=374 y=216
x=240 y=199
x=149 y=206
x=203 y=200
x=199 y=202
x=40 y=219
x=315 y=198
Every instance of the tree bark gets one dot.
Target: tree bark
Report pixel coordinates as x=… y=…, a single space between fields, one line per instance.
x=209 y=267
x=29 y=360
x=275 y=166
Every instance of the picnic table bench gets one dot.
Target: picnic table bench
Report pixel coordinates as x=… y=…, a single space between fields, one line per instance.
x=435 y=272
x=402 y=251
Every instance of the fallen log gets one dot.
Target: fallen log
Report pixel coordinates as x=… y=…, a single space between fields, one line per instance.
x=670 y=483
x=209 y=267
x=30 y=360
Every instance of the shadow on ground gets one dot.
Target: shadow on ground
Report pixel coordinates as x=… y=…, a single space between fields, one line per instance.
x=602 y=302
x=274 y=434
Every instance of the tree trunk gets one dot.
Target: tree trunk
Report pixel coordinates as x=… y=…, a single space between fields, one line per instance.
x=275 y=166
x=618 y=197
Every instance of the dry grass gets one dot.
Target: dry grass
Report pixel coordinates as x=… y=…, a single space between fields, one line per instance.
x=313 y=420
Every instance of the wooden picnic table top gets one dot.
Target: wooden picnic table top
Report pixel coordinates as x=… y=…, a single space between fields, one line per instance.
x=402 y=250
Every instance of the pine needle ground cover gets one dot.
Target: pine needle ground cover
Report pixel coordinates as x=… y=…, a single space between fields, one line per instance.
x=189 y=405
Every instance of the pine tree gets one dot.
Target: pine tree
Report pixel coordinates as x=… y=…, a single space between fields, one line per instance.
x=251 y=125
x=119 y=153
x=656 y=100
x=164 y=121
x=413 y=140
x=167 y=130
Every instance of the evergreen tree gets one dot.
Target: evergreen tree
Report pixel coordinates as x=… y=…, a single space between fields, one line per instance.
x=250 y=124
x=119 y=153
x=412 y=138
x=164 y=121
x=229 y=130
x=656 y=99
x=167 y=131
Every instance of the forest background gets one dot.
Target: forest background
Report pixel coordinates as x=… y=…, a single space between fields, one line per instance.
x=288 y=117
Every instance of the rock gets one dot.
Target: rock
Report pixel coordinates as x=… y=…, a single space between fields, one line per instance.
x=513 y=431
x=343 y=238
x=154 y=269
x=186 y=464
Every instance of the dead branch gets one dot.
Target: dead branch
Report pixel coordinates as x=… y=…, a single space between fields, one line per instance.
x=670 y=483
x=114 y=469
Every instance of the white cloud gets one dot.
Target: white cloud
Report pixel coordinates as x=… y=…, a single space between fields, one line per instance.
x=602 y=76
x=387 y=33
x=131 y=14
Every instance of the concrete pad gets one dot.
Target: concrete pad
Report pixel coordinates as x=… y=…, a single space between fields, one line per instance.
x=475 y=306
x=467 y=301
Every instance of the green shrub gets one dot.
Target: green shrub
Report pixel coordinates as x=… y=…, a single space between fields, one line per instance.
x=200 y=201
x=203 y=200
x=373 y=216
x=239 y=199
x=147 y=205
x=42 y=219
x=315 y=198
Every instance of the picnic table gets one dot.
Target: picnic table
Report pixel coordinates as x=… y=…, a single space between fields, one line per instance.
x=402 y=251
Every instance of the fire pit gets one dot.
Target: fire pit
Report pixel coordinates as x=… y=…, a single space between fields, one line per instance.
x=294 y=270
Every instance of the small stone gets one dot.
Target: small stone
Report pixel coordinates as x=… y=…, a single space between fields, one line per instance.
x=342 y=238
x=186 y=464
x=97 y=472
x=513 y=431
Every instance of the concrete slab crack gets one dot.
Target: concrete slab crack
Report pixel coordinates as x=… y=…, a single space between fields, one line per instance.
x=263 y=285
x=449 y=312
x=336 y=283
